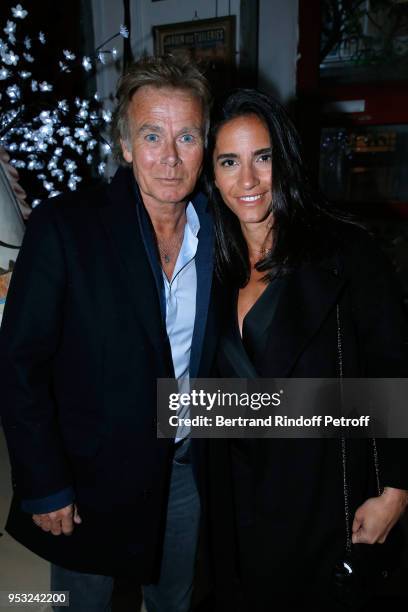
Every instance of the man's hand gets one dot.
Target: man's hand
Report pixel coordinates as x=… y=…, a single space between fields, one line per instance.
x=59 y=521
x=377 y=516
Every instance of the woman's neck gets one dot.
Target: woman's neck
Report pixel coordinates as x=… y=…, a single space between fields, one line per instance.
x=259 y=238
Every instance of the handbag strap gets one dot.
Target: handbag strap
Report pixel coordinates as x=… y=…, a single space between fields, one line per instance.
x=343 y=441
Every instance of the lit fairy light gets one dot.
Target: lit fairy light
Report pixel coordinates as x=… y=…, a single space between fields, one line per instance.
x=81 y=134
x=72 y=182
x=124 y=31
x=45 y=117
x=101 y=168
x=63 y=106
x=55 y=143
x=63 y=67
x=101 y=57
x=13 y=92
x=19 y=12
x=35 y=203
x=10 y=59
x=10 y=28
x=83 y=114
x=44 y=86
x=86 y=63
x=48 y=185
x=69 y=55
x=19 y=164
x=70 y=165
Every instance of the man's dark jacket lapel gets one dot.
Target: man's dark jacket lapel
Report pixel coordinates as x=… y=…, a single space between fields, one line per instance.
x=119 y=217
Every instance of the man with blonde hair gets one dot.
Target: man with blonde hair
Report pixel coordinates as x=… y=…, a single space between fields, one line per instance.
x=111 y=291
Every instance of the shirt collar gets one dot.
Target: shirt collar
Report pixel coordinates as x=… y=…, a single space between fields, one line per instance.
x=193 y=221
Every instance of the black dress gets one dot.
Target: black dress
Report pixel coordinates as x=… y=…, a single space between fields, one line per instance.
x=278 y=504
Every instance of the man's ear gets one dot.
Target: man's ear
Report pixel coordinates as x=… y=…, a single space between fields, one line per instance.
x=126 y=151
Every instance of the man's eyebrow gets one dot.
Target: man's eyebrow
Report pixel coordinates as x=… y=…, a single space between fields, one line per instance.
x=150 y=127
x=190 y=128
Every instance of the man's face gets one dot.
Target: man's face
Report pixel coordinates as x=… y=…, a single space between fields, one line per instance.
x=166 y=143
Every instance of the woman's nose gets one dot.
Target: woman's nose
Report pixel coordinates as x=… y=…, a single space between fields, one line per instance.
x=248 y=177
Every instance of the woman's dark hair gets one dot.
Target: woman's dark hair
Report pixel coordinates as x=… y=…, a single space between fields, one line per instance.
x=301 y=215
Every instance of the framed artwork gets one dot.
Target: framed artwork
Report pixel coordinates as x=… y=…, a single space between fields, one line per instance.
x=209 y=42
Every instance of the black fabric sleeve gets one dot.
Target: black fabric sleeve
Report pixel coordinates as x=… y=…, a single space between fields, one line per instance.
x=382 y=330
x=29 y=340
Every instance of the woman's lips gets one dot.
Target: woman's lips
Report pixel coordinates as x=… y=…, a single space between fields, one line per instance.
x=250 y=198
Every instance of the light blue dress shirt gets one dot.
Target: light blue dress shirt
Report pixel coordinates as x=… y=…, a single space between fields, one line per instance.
x=180 y=299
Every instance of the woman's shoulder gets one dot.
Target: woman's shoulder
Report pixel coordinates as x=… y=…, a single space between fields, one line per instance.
x=363 y=262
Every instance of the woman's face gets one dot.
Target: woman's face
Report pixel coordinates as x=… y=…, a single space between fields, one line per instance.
x=243 y=167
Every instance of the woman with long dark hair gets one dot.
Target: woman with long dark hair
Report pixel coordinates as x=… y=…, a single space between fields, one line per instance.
x=310 y=296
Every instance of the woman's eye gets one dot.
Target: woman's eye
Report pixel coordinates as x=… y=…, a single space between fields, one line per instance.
x=187 y=138
x=151 y=137
x=267 y=157
x=228 y=163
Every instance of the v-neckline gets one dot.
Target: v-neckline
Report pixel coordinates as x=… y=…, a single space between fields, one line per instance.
x=249 y=312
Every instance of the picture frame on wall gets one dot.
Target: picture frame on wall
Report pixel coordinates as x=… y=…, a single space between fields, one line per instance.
x=209 y=42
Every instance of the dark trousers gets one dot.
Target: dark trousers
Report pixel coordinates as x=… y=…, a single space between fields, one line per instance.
x=93 y=593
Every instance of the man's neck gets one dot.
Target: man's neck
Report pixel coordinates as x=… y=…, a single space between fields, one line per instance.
x=167 y=219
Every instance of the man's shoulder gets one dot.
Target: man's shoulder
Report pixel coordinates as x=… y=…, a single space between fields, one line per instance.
x=85 y=201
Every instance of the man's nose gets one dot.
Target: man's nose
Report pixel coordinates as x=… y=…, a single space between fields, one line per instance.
x=170 y=155
x=248 y=176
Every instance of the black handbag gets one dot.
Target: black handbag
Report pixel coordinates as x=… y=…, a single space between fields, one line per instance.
x=363 y=566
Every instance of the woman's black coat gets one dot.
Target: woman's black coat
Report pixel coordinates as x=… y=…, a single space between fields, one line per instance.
x=282 y=517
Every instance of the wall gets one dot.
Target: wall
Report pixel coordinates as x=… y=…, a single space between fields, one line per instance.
x=278 y=42
x=146 y=14
x=108 y=15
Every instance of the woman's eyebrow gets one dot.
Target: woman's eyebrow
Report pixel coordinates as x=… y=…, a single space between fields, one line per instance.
x=263 y=151
x=227 y=156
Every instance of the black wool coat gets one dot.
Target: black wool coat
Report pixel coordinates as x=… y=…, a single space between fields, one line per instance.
x=82 y=344
x=279 y=527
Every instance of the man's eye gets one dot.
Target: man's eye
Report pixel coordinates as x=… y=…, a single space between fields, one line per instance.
x=228 y=163
x=151 y=137
x=187 y=138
